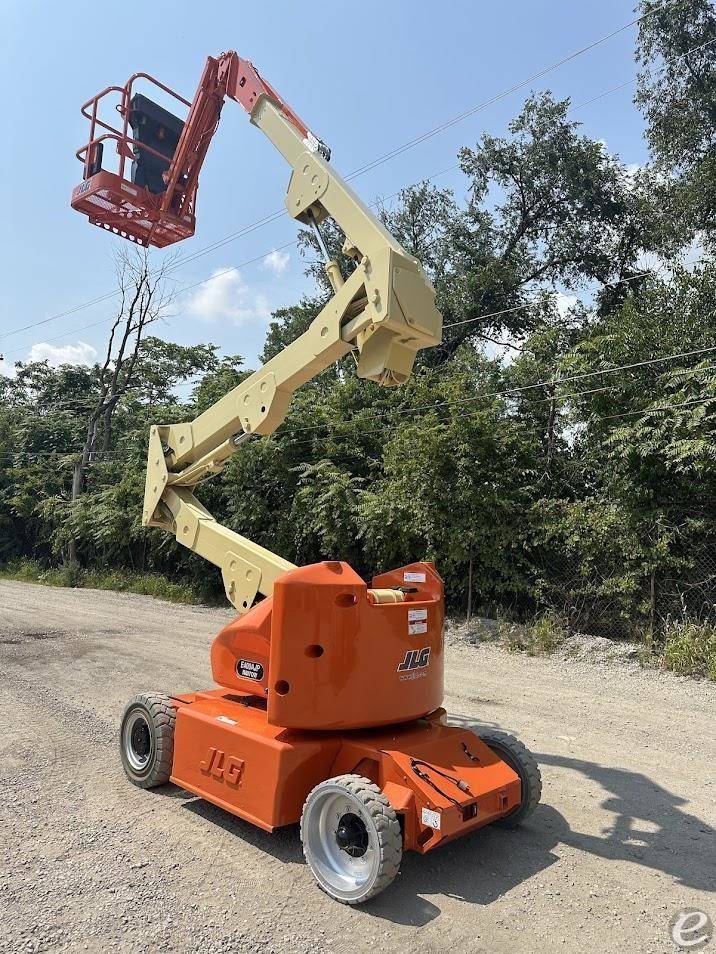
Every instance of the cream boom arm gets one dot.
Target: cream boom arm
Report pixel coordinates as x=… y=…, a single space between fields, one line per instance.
x=384 y=311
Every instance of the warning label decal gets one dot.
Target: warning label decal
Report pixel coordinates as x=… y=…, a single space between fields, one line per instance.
x=431 y=819
x=409 y=577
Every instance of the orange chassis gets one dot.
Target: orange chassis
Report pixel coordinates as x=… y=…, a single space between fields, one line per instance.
x=226 y=752
x=324 y=679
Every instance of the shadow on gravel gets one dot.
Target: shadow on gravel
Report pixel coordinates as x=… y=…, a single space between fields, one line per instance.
x=284 y=844
x=482 y=867
x=649 y=828
x=669 y=839
x=477 y=869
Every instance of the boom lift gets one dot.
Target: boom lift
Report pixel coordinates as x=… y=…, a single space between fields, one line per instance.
x=328 y=709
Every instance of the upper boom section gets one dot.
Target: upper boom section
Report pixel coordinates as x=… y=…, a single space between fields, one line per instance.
x=231 y=76
x=384 y=311
x=156 y=204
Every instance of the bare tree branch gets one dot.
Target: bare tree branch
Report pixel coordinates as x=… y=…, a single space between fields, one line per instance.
x=143 y=299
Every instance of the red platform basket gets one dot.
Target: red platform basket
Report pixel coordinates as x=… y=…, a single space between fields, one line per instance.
x=110 y=199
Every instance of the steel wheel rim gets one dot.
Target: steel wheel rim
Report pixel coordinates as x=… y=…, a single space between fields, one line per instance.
x=335 y=869
x=138 y=741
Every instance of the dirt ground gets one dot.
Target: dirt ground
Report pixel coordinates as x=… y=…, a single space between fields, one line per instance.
x=624 y=837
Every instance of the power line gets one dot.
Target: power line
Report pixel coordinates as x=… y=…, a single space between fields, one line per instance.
x=630 y=82
x=529 y=304
x=113 y=457
x=399 y=150
x=505 y=392
x=293 y=244
x=118 y=456
x=182 y=288
x=454 y=324
x=90 y=402
x=423 y=137
x=501 y=393
x=456 y=166
x=556 y=399
x=654 y=410
x=499 y=96
x=279 y=213
x=508 y=392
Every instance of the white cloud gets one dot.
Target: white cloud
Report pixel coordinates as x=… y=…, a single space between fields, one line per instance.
x=226 y=296
x=564 y=303
x=7 y=368
x=276 y=261
x=81 y=353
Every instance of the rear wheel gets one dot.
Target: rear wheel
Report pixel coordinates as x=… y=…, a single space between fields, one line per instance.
x=520 y=759
x=147 y=739
x=351 y=838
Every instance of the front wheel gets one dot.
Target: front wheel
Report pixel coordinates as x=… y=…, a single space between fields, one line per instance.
x=351 y=838
x=147 y=739
x=520 y=759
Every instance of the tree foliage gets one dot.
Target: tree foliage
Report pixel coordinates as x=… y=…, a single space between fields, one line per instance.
x=570 y=467
x=677 y=95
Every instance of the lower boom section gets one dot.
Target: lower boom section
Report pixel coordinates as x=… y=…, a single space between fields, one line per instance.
x=442 y=781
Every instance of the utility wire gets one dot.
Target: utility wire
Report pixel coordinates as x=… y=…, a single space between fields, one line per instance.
x=506 y=392
x=529 y=304
x=655 y=410
x=423 y=137
x=454 y=324
x=501 y=393
x=557 y=399
x=399 y=150
x=182 y=288
x=295 y=243
x=112 y=457
x=499 y=96
x=279 y=213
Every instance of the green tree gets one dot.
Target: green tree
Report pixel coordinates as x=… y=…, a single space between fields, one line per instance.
x=677 y=94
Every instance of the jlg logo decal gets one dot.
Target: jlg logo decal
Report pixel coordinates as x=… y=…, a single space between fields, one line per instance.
x=218 y=764
x=415 y=659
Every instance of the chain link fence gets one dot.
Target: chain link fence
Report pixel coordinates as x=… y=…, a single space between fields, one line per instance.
x=622 y=604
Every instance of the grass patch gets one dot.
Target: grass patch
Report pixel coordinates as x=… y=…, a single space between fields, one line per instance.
x=546 y=633
x=147 y=584
x=514 y=636
x=540 y=637
x=690 y=648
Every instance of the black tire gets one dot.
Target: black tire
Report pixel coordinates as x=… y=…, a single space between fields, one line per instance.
x=521 y=760
x=146 y=739
x=334 y=866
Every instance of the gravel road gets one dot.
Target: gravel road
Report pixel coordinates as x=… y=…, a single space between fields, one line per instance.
x=623 y=840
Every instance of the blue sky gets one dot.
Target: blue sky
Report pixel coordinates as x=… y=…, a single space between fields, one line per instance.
x=366 y=77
